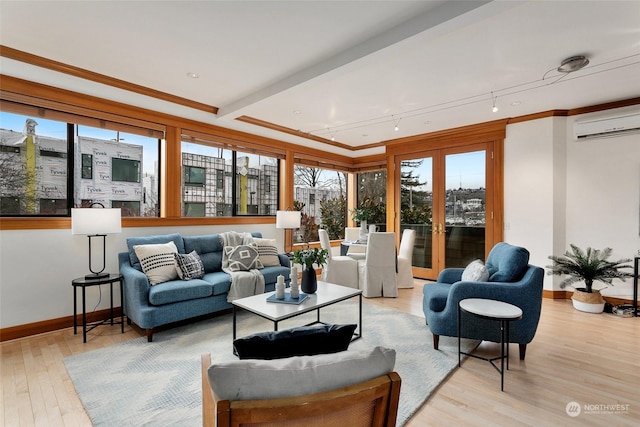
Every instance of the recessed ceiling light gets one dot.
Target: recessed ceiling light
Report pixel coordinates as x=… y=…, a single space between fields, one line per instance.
x=365 y=135
x=516 y=103
x=297 y=112
x=193 y=75
x=427 y=122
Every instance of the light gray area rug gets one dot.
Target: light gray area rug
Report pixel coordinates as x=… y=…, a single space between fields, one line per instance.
x=137 y=383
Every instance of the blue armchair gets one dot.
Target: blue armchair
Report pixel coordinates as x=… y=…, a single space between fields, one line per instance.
x=511 y=279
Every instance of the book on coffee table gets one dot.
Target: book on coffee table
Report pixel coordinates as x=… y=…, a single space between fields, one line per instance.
x=287 y=298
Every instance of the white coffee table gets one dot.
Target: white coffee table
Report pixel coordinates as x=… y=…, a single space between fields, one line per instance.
x=326 y=294
x=494 y=310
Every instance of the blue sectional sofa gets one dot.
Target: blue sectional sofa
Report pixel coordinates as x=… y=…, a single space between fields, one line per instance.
x=152 y=306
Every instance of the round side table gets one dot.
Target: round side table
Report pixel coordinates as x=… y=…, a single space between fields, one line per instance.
x=493 y=310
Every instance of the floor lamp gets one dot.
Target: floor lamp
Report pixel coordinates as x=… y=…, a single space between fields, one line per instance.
x=96 y=222
x=288 y=220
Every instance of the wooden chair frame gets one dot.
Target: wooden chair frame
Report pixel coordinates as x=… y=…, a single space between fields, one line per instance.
x=378 y=397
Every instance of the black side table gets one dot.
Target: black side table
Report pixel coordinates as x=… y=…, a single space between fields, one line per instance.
x=84 y=283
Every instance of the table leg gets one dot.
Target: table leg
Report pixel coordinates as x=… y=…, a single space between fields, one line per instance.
x=360 y=316
x=234 y=322
x=111 y=299
x=502 y=355
x=121 y=308
x=84 y=316
x=275 y=325
x=507 y=341
x=459 y=328
x=75 y=314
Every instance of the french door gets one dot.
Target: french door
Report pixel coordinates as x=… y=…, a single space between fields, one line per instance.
x=446 y=195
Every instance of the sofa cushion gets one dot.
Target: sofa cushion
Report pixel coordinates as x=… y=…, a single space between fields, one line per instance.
x=267 y=251
x=220 y=281
x=179 y=290
x=475 y=272
x=507 y=263
x=151 y=240
x=157 y=261
x=301 y=341
x=243 y=257
x=297 y=376
x=209 y=248
x=189 y=266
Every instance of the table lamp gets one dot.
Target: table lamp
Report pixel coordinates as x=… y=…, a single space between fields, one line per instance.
x=288 y=220
x=96 y=222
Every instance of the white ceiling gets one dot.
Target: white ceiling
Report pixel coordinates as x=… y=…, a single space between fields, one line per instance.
x=351 y=70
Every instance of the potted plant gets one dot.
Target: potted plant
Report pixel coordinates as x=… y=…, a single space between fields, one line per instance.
x=362 y=214
x=588 y=266
x=308 y=258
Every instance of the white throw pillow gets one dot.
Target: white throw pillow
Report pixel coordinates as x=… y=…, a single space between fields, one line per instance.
x=299 y=375
x=158 y=261
x=475 y=272
x=267 y=251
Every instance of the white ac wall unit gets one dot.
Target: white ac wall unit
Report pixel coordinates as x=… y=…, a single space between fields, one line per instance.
x=607 y=126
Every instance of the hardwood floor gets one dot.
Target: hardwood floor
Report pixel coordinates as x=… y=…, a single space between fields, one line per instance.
x=587 y=358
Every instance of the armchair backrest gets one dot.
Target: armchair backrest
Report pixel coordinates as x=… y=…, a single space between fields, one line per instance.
x=507 y=263
x=325 y=243
x=381 y=249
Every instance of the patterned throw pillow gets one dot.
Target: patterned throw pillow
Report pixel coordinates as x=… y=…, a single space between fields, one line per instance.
x=189 y=266
x=157 y=261
x=267 y=251
x=475 y=272
x=243 y=257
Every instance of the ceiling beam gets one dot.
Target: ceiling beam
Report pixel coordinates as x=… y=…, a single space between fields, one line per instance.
x=418 y=24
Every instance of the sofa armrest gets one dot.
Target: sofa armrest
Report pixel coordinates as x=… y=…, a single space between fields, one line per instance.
x=450 y=275
x=284 y=260
x=136 y=285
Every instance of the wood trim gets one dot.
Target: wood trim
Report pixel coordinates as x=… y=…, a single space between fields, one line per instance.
x=82 y=73
x=21 y=331
x=605 y=106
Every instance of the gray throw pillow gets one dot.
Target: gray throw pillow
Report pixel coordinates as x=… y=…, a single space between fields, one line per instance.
x=189 y=266
x=243 y=257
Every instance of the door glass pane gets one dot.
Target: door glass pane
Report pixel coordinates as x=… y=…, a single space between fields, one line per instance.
x=416 y=203
x=465 y=208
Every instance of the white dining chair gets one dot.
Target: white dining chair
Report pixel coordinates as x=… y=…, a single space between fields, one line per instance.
x=351 y=234
x=339 y=270
x=373 y=228
x=377 y=272
x=405 y=259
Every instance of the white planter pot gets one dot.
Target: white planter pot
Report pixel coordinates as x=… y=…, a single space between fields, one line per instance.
x=588 y=307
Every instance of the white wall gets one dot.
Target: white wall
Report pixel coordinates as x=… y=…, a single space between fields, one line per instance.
x=559 y=191
x=37 y=266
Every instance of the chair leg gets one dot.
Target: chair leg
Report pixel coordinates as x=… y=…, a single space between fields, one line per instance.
x=523 y=350
x=149 y=334
x=436 y=341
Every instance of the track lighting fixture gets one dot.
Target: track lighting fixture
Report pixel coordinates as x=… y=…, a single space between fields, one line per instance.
x=395 y=123
x=494 y=108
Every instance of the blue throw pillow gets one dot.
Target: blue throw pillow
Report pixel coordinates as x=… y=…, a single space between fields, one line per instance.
x=507 y=263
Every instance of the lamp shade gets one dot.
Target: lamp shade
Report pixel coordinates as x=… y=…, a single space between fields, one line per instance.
x=288 y=219
x=91 y=221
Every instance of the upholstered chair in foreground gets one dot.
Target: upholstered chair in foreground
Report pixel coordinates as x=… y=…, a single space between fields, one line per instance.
x=508 y=277
x=340 y=270
x=405 y=259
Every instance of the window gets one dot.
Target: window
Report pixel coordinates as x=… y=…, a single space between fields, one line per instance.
x=128 y=207
x=49 y=153
x=33 y=165
x=87 y=166
x=53 y=206
x=255 y=173
x=193 y=176
x=321 y=195
x=125 y=170
x=372 y=193
x=221 y=182
x=194 y=209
